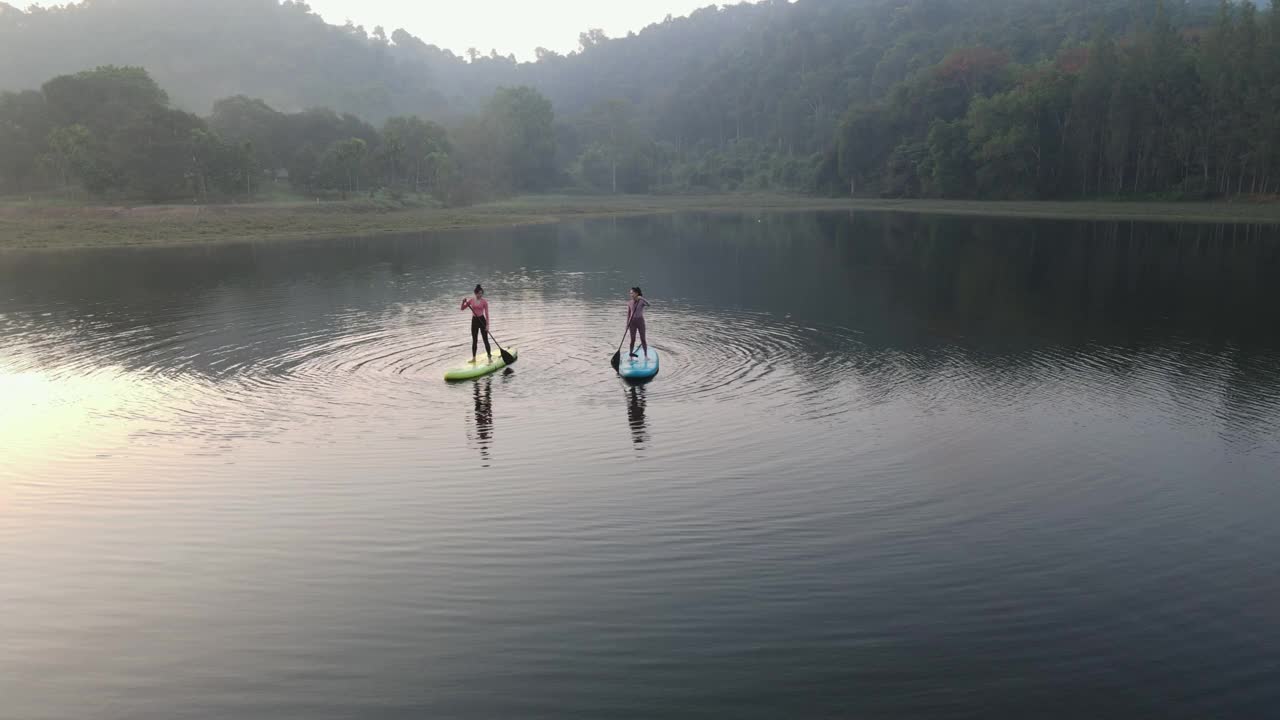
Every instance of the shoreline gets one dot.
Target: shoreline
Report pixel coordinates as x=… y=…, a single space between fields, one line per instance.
x=31 y=226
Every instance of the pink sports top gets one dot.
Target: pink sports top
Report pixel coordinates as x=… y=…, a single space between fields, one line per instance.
x=635 y=308
x=479 y=307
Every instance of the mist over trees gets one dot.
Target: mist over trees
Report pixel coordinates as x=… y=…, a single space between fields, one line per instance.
x=111 y=133
x=195 y=100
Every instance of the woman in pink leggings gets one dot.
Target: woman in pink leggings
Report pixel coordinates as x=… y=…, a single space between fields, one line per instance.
x=635 y=320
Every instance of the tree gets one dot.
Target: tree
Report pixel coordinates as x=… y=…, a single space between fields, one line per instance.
x=951 y=168
x=979 y=70
x=24 y=124
x=112 y=129
x=610 y=129
x=1269 y=128
x=106 y=97
x=70 y=154
x=482 y=164
x=225 y=168
x=903 y=169
x=1217 y=65
x=245 y=161
x=408 y=142
x=520 y=121
x=151 y=157
x=1004 y=137
x=393 y=152
x=595 y=168
x=241 y=119
x=1090 y=106
x=544 y=55
x=591 y=38
x=443 y=176
x=861 y=144
x=350 y=155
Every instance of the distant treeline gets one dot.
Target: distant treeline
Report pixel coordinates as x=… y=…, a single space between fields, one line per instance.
x=1192 y=114
x=901 y=98
x=111 y=133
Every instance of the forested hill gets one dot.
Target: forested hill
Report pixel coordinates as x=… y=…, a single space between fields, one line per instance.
x=775 y=69
x=949 y=98
x=205 y=50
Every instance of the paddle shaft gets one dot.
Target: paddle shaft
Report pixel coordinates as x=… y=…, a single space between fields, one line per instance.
x=617 y=356
x=507 y=357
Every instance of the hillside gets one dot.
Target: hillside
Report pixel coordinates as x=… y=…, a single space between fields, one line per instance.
x=772 y=68
x=939 y=98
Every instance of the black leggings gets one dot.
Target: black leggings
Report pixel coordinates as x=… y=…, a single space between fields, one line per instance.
x=479 y=328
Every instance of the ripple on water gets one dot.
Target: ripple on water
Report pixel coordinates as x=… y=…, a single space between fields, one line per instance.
x=257 y=364
x=273 y=464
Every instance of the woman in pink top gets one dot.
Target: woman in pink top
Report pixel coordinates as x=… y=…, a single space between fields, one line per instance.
x=635 y=320
x=479 y=320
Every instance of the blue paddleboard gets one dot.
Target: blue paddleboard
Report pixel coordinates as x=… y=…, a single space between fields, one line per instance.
x=639 y=367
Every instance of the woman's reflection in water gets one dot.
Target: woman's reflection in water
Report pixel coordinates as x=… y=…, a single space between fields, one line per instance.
x=635 y=414
x=484 y=416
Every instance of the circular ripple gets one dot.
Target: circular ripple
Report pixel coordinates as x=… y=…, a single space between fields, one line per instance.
x=233 y=362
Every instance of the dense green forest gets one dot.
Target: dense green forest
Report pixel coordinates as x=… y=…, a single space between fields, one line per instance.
x=111 y=133
x=902 y=98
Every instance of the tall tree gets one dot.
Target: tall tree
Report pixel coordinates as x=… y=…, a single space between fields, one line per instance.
x=350 y=155
x=24 y=122
x=240 y=119
x=520 y=120
x=610 y=127
x=414 y=148
x=70 y=154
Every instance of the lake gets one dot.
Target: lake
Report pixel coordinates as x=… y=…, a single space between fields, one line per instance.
x=892 y=466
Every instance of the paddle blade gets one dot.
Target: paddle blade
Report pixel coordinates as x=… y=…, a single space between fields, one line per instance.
x=507 y=357
x=617 y=360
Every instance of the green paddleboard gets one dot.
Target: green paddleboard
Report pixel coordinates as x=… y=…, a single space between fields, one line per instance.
x=480 y=366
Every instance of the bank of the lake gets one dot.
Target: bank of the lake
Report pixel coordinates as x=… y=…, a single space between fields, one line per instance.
x=44 y=225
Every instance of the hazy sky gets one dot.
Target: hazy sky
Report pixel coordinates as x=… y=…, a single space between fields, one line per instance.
x=511 y=26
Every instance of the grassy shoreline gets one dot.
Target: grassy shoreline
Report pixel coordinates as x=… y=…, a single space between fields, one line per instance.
x=35 y=225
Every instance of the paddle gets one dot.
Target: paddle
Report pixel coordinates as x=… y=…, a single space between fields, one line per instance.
x=617 y=357
x=507 y=357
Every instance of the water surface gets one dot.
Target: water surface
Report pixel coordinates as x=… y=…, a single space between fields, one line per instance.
x=893 y=466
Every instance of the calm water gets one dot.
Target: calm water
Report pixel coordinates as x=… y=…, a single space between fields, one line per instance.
x=892 y=467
